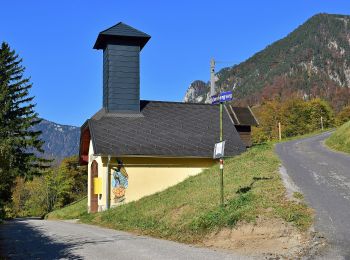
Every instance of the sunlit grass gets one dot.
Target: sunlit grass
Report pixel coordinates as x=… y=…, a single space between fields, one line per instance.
x=340 y=139
x=189 y=210
x=72 y=211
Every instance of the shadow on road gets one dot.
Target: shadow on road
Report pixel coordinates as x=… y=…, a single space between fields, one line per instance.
x=20 y=240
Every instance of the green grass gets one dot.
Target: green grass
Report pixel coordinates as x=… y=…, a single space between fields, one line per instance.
x=72 y=211
x=297 y=137
x=340 y=139
x=189 y=210
x=298 y=195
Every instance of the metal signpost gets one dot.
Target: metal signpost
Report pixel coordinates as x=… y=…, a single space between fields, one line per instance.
x=220 y=147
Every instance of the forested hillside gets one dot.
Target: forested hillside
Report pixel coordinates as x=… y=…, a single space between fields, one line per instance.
x=313 y=61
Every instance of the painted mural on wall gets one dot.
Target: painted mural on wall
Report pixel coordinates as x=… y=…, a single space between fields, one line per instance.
x=119 y=182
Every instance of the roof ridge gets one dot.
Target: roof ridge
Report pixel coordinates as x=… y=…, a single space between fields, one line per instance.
x=180 y=102
x=129 y=27
x=121 y=32
x=110 y=27
x=177 y=102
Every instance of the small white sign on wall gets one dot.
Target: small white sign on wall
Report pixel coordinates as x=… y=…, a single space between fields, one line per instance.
x=219 y=150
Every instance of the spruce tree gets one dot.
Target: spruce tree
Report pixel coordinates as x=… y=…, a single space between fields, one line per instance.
x=19 y=144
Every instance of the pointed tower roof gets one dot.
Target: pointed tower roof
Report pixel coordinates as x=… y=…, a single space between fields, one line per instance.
x=121 y=33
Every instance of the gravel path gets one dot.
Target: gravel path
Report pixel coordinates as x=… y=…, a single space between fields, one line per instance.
x=42 y=239
x=323 y=176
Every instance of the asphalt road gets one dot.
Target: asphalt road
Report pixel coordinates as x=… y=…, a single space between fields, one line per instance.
x=323 y=176
x=42 y=239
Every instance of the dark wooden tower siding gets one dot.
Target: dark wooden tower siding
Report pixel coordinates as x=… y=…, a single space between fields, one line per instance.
x=121 y=83
x=121 y=45
x=243 y=119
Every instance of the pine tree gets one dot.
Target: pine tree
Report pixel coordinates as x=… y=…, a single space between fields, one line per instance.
x=19 y=145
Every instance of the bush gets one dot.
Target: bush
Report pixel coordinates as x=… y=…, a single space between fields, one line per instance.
x=268 y=115
x=297 y=117
x=343 y=116
x=319 y=108
x=56 y=188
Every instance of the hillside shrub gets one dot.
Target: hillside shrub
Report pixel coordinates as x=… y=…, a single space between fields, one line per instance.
x=343 y=116
x=56 y=188
x=297 y=117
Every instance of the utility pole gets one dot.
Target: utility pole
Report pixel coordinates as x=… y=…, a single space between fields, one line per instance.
x=212 y=77
x=322 y=123
x=221 y=162
x=212 y=93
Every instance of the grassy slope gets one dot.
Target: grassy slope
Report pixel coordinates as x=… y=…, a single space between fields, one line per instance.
x=189 y=210
x=72 y=211
x=340 y=139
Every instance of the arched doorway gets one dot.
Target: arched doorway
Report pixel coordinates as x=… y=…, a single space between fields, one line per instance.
x=93 y=196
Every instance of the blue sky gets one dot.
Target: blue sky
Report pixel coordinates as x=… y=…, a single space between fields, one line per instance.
x=55 y=40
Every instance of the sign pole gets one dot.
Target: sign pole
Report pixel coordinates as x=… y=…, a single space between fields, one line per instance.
x=219 y=98
x=221 y=162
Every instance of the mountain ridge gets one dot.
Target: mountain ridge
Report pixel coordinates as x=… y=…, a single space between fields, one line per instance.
x=311 y=61
x=60 y=140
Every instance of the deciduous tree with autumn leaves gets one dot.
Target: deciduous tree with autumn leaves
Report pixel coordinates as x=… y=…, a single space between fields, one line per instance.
x=296 y=116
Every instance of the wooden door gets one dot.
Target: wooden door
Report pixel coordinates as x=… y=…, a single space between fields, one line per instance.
x=93 y=197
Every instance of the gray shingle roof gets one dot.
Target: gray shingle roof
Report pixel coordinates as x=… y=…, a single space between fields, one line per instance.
x=168 y=129
x=121 y=31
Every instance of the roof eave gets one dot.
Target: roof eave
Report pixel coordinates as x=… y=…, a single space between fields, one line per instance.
x=92 y=136
x=161 y=156
x=82 y=129
x=103 y=39
x=256 y=120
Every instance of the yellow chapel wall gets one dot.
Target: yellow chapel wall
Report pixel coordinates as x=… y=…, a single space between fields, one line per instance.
x=147 y=176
